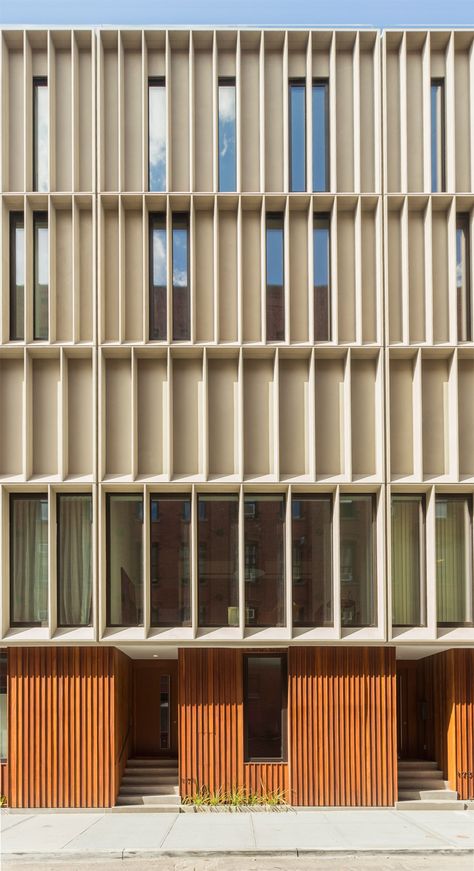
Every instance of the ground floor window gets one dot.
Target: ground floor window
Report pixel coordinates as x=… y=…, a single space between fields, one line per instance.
x=265 y=707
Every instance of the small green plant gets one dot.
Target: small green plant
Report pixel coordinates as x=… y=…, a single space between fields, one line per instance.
x=216 y=798
x=3 y=801
x=236 y=798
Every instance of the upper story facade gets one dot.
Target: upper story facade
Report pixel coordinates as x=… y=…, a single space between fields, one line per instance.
x=239 y=263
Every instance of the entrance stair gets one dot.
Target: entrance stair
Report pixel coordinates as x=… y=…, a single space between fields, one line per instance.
x=149 y=784
x=421 y=787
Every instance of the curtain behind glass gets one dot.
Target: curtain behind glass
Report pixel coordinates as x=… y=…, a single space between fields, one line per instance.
x=29 y=543
x=452 y=560
x=406 y=562
x=75 y=560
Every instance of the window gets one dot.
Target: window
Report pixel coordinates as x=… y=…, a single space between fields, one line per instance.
x=358 y=591
x=158 y=277
x=438 y=181
x=265 y=703
x=227 y=135
x=170 y=566
x=297 y=112
x=454 y=560
x=275 y=279
x=181 y=304
x=320 y=135
x=41 y=276
x=40 y=134
x=463 y=278
x=124 y=559
x=218 y=541
x=3 y=706
x=312 y=561
x=156 y=134
x=74 y=512
x=29 y=559
x=322 y=277
x=17 y=276
x=408 y=561
x=265 y=562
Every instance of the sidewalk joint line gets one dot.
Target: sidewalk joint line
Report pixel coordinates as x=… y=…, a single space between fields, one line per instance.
x=87 y=828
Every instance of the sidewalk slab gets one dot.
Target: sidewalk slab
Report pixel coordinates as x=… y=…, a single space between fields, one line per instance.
x=207 y=831
x=119 y=832
x=457 y=827
x=46 y=833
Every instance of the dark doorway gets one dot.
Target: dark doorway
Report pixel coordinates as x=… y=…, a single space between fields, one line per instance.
x=155 y=701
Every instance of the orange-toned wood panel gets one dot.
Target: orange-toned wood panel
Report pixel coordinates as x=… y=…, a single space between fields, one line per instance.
x=63 y=716
x=463 y=698
x=342 y=707
x=210 y=724
x=123 y=714
x=4 y=779
x=262 y=777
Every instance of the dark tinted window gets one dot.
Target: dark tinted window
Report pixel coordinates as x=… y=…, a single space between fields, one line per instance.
x=265 y=707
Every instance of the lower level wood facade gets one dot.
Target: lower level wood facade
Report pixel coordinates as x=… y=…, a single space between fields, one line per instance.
x=76 y=714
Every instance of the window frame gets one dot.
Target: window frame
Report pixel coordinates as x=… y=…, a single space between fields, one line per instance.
x=299 y=498
x=322 y=82
x=38 y=82
x=300 y=83
x=59 y=496
x=463 y=226
x=320 y=218
x=420 y=498
x=181 y=221
x=40 y=221
x=17 y=222
x=373 y=559
x=283 y=657
x=438 y=82
x=156 y=221
x=226 y=81
x=278 y=219
x=156 y=82
x=108 y=622
x=155 y=498
x=467 y=499
x=16 y=497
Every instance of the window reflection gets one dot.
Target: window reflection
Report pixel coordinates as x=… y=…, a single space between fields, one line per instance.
x=312 y=560
x=227 y=135
x=297 y=135
x=29 y=560
x=170 y=561
x=41 y=267
x=17 y=276
x=437 y=135
x=275 y=278
x=264 y=560
x=218 y=560
x=320 y=135
x=358 y=592
x=158 y=279
x=265 y=703
x=124 y=559
x=156 y=135
x=463 y=278
x=181 y=303
x=40 y=134
x=322 y=278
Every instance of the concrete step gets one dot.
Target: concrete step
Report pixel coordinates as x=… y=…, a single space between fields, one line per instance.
x=151 y=772
x=140 y=777
x=429 y=805
x=427 y=795
x=414 y=774
x=421 y=764
x=423 y=783
x=149 y=789
x=138 y=806
x=152 y=762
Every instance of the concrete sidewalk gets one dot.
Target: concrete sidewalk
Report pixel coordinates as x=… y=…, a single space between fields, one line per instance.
x=74 y=835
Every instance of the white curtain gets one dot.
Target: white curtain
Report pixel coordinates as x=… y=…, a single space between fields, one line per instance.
x=452 y=559
x=30 y=560
x=406 y=562
x=75 y=560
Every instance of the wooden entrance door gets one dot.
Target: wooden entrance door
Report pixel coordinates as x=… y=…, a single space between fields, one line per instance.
x=155 y=699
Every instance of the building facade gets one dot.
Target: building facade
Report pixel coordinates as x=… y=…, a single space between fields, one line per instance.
x=236 y=411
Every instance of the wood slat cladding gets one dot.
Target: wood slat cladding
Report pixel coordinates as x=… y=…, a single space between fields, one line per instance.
x=342 y=709
x=4 y=779
x=261 y=777
x=463 y=698
x=66 y=710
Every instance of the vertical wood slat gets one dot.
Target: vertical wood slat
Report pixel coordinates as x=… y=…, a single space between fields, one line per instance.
x=65 y=748
x=343 y=706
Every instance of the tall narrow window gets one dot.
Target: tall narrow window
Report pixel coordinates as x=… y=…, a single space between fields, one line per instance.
x=312 y=560
x=158 y=277
x=40 y=134
x=29 y=559
x=454 y=560
x=181 y=302
x=170 y=531
x=463 y=278
x=438 y=136
x=3 y=706
x=227 y=135
x=408 y=559
x=156 y=134
x=218 y=540
x=358 y=590
x=320 y=135
x=265 y=707
x=41 y=276
x=322 y=277
x=124 y=559
x=17 y=276
x=297 y=109
x=264 y=560
x=275 y=279
x=74 y=512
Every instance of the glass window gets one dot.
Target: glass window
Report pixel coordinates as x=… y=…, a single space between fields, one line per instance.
x=408 y=573
x=170 y=561
x=156 y=134
x=181 y=303
x=437 y=136
x=124 y=559
x=17 y=275
x=454 y=560
x=218 y=542
x=265 y=561
x=320 y=135
x=74 y=559
x=29 y=559
x=358 y=591
x=312 y=560
x=41 y=267
x=3 y=706
x=158 y=276
x=463 y=278
x=322 y=277
x=297 y=111
x=265 y=702
x=40 y=134
x=275 y=279
x=227 y=135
